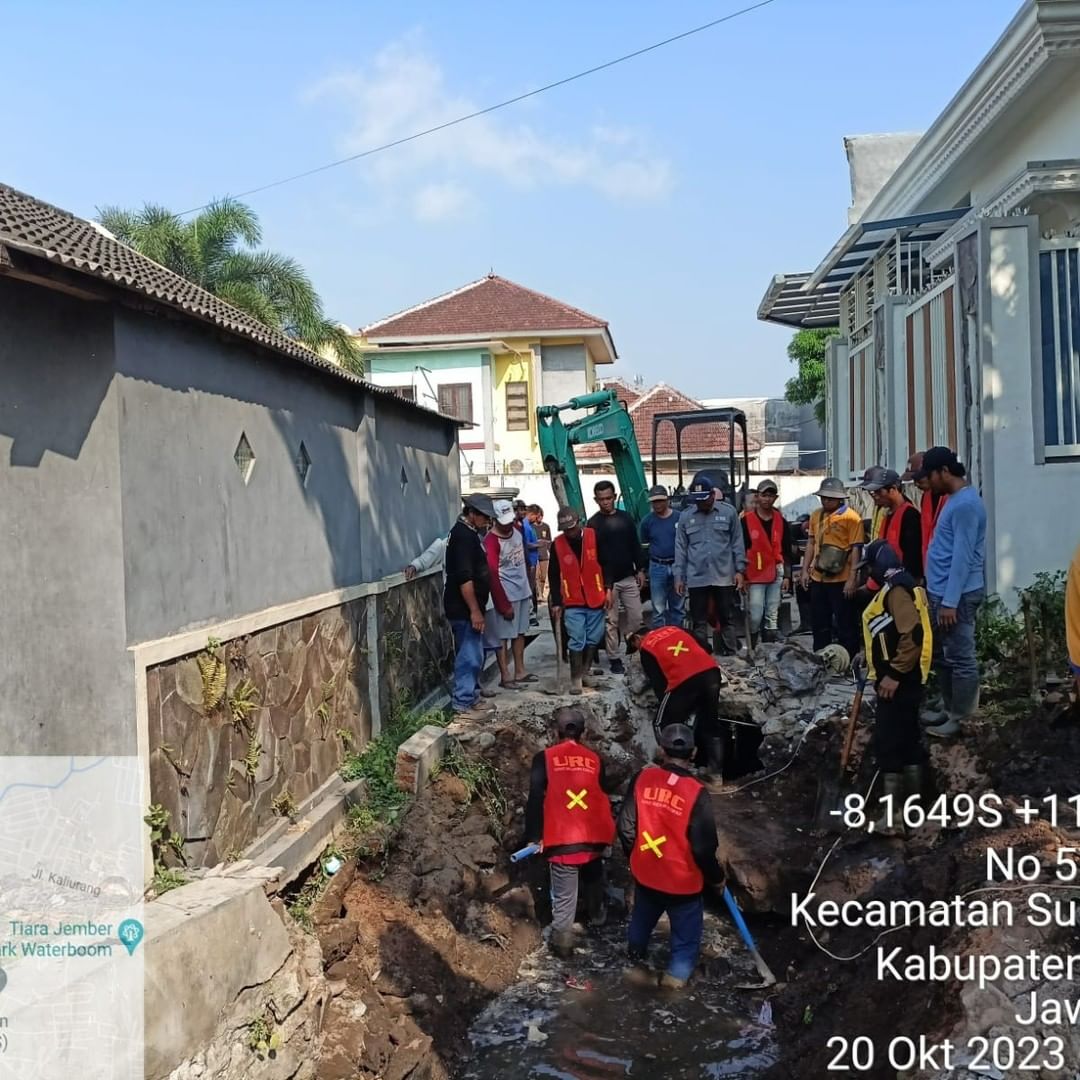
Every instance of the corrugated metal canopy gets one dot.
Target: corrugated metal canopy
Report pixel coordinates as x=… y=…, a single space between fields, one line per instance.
x=786 y=301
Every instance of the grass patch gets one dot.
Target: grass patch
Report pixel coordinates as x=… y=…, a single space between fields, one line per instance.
x=482 y=782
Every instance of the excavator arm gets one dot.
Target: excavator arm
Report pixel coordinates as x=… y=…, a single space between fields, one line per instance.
x=610 y=424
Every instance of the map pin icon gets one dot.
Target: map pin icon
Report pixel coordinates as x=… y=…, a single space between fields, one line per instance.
x=131 y=933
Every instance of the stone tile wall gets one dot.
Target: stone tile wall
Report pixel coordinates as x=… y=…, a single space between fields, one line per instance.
x=417 y=647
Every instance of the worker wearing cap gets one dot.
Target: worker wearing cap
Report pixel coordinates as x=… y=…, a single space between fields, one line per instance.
x=899 y=524
x=667 y=829
x=658 y=536
x=465 y=596
x=836 y=536
x=768 y=566
x=931 y=503
x=569 y=814
x=898 y=645
x=710 y=560
x=956 y=585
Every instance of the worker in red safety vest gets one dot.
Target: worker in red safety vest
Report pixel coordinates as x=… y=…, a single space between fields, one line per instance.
x=687 y=681
x=931 y=504
x=568 y=813
x=768 y=562
x=667 y=829
x=900 y=524
x=576 y=593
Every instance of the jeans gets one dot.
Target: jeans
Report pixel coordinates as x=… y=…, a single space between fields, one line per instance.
x=833 y=615
x=667 y=605
x=584 y=626
x=764 y=602
x=686 y=914
x=468 y=663
x=717 y=602
x=626 y=611
x=955 y=662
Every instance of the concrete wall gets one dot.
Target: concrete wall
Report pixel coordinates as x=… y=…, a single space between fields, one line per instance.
x=199 y=543
x=66 y=682
x=565 y=374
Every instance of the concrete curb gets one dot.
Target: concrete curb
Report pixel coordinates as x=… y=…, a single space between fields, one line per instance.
x=417 y=756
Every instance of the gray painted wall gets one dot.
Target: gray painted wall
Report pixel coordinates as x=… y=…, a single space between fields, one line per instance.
x=66 y=681
x=564 y=374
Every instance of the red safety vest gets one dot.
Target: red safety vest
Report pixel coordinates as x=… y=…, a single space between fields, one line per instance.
x=766 y=552
x=889 y=530
x=680 y=657
x=661 y=858
x=582 y=583
x=576 y=811
x=930 y=515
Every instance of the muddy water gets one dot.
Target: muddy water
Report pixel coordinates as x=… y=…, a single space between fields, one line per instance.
x=578 y=1019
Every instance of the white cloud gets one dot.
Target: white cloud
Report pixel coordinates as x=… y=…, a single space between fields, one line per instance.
x=404 y=91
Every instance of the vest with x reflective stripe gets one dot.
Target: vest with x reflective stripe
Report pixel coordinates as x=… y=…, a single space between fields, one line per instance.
x=576 y=812
x=662 y=858
x=680 y=657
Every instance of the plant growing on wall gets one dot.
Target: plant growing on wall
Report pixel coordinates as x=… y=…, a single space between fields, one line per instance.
x=163 y=841
x=242 y=702
x=214 y=675
x=251 y=758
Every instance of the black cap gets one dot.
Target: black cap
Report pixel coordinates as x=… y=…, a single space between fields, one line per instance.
x=569 y=722
x=658 y=492
x=677 y=740
x=939 y=457
x=877 y=477
x=767 y=485
x=479 y=502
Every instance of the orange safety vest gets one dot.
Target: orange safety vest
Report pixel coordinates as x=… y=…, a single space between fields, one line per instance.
x=582 y=583
x=661 y=858
x=766 y=552
x=680 y=657
x=889 y=530
x=930 y=516
x=576 y=811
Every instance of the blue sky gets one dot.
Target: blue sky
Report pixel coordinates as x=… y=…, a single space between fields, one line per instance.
x=661 y=195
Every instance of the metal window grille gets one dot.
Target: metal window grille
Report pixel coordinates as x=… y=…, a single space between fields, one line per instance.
x=244 y=457
x=517 y=406
x=455 y=399
x=1059 y=280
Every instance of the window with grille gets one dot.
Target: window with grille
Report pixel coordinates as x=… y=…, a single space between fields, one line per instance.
x=517 y=406
x=455 y=399
x=406 y=392
x=1059 y=279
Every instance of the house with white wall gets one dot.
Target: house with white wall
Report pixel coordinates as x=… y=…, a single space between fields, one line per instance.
x=957 y=297
x=488 y=353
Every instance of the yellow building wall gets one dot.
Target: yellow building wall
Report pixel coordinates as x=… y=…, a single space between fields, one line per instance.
x=514 y=366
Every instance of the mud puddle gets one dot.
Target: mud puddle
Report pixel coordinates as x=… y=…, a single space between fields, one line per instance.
x=579 y=1019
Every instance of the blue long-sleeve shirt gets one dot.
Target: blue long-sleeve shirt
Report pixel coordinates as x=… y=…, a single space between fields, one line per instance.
x=659 y=534
x=956 y=558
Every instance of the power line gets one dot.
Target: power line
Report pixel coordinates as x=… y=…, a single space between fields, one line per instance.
x=492 y=108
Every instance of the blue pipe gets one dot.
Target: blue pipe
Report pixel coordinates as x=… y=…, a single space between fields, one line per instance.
x=740 y=922
x=524 y=853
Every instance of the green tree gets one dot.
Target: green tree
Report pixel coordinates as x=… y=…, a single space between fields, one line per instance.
x=218 y=249
x=807 y=350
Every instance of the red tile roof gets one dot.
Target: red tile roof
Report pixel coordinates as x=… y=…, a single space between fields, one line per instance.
x=491 y=305
x=701 y=441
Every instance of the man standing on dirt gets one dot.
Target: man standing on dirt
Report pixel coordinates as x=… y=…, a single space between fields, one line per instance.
x=898 y=644
x=569 y=814
x=768 y=572
x=623 y=565
x=577 y=593
x=508 y=619
x=465 y=596
x=900 y=524
x=543 y=538
x=836 y=536
x=710 y=561
x=667 y=829
x=658 y=536
x=930 y=505
x=956 y=584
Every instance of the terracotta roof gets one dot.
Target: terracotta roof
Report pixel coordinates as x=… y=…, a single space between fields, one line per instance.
x=700 y=441
x=491 y=305
x=44 y=231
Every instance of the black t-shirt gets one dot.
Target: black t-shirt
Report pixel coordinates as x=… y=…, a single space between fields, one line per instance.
x=618 y=546
x=465 y=561
x=911 y=541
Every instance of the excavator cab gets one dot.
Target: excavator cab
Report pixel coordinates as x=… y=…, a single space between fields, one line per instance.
x=727 y=458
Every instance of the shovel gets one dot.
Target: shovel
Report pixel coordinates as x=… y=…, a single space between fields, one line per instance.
x=767 y=977
x=561 y=686
x=830 y=801
x=749 y=635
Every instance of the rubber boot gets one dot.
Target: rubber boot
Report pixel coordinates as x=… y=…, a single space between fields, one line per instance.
x=637 y=972
x=914 y=781
x=588 y=671
x=562 y=943
x=770 y=637
x=592 y=661
x=577 y=666
x=892 y=784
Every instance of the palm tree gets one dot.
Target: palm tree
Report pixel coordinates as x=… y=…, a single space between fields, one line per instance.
x=218 y=249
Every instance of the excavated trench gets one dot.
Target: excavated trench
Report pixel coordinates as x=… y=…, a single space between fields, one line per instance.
x=436 y=959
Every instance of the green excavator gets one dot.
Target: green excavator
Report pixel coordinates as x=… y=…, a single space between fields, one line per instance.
x=610 y=424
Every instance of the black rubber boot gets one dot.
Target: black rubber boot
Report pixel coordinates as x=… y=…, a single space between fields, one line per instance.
x=770 y=637
x=577 y=667
x=588 y=670
x=914 y=782
x=892 y=784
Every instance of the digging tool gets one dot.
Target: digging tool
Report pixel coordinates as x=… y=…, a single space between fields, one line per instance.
x=560 y=670
x=749 y=635
x=830 y=801
x=767 y=977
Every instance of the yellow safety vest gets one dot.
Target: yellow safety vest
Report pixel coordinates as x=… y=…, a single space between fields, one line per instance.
x=880 y=635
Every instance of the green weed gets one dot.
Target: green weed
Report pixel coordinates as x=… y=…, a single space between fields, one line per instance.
x=482 y=782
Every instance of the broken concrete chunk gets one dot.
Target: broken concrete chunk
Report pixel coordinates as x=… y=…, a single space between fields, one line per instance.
x=418 y=756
